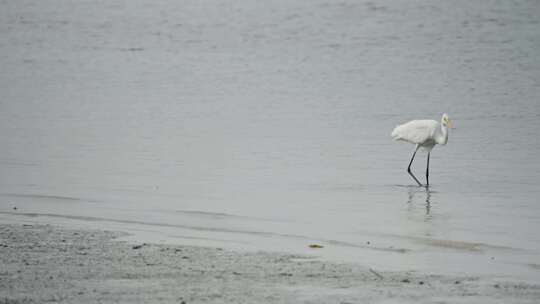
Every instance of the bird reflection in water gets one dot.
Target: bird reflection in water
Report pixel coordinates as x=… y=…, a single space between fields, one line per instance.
x=413 y=191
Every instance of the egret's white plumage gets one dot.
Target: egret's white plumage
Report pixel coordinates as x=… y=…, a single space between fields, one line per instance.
x=424 y=134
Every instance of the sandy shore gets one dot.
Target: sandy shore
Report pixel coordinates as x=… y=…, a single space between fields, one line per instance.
x=42 y=263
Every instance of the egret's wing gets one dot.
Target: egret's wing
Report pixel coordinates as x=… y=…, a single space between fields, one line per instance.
x=416 y=131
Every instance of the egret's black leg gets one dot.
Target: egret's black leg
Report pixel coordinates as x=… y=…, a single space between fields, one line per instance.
x=427 y=170
x=409 y=167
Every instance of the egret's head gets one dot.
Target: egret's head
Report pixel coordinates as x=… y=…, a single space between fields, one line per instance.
x=446 y=121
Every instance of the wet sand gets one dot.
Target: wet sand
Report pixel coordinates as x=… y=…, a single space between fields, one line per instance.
x=44 y=263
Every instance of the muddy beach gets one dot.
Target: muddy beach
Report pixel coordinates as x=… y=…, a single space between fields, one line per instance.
x=44 y=263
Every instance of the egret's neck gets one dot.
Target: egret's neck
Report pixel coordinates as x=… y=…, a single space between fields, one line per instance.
x=443 y=139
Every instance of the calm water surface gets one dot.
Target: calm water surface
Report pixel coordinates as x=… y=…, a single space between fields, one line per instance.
x=266 y=126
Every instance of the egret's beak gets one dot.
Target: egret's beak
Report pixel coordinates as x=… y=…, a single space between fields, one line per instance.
x=450 y=124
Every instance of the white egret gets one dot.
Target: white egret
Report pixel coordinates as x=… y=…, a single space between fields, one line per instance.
x=424 y=134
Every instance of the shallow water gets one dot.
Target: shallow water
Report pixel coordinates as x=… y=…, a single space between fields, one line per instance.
x=266 y=126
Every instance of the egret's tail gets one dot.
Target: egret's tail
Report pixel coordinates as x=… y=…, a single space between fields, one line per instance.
x=395 y=133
